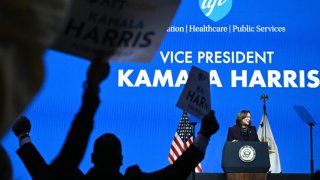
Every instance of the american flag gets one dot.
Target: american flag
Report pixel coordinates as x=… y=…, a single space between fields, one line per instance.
x=183 y=138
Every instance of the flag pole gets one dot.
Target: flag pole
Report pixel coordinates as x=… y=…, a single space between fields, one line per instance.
x=264 y=97
x=193 y=124
x=185 y=135
x=184 y=129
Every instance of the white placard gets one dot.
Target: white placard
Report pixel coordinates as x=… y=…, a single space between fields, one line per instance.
x=195 y=97
x=123 y=30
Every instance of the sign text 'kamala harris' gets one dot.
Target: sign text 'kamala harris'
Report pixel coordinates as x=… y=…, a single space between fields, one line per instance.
x=195 y=97
x=120 y=29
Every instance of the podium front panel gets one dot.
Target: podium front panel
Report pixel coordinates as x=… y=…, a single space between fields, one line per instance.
x=245 y=157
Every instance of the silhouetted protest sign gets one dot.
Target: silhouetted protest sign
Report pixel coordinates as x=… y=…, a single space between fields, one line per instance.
x=195 y=97
x=122 y=30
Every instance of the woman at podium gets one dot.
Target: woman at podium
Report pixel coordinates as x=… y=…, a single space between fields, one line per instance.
x=242 y=130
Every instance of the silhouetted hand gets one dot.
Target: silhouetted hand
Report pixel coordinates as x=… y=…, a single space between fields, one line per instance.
x=97 y=72
x=132 y=172
x=21 y=127
x=209 y=124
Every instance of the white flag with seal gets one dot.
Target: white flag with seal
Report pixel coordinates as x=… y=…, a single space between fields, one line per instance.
x=265 y=135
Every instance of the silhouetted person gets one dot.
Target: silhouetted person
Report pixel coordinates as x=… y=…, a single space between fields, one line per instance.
x=65 y=166
x=28 y=28
x=107 y=157
x=317 y=175
x=242 y=130
x=5 y=165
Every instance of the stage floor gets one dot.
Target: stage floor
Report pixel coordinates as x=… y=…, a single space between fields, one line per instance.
x=222 y=176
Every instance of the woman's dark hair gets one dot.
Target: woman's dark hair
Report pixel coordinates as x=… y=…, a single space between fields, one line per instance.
x=241 y=115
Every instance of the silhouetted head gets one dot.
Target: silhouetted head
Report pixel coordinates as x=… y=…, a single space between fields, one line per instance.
x=107 y=152
x=243 y=118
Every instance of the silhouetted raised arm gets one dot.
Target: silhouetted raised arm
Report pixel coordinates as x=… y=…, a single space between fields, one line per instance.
x=78 y=136
x=189 y=159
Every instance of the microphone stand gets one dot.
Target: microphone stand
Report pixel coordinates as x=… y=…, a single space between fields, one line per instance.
x=311 y=151
x=307 y=118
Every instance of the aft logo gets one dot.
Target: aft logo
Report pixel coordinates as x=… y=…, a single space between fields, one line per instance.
x=215 y=9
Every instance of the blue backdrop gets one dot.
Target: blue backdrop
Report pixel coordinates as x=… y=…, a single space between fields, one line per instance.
x=146 y=118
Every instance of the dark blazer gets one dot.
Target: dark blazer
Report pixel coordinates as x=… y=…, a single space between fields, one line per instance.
x=65 y=166
x=33 y=161
x=40 y=170
x=179 y=170
x=234 y=133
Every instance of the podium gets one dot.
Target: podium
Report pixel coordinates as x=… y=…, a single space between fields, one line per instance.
x=245 y=160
